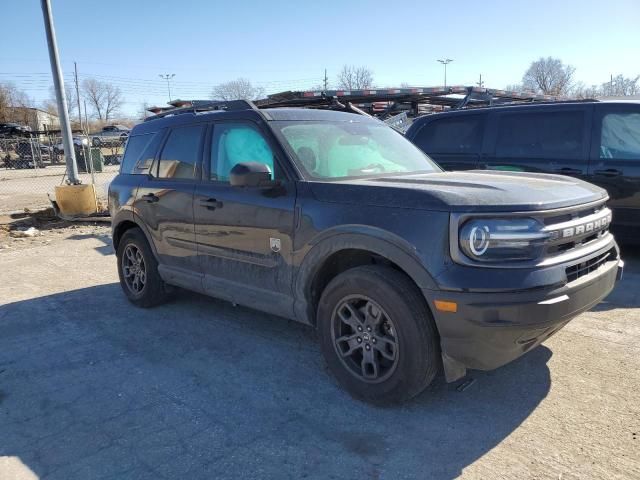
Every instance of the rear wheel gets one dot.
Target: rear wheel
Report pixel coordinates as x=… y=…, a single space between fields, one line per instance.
x=138 y=271
x=377 y=334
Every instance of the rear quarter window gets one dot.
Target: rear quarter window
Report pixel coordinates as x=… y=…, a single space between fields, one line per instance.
x=460 y=134
x=620 y=136
x=139 y=153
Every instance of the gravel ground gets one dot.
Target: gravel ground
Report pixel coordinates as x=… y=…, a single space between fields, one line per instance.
x=91 y=387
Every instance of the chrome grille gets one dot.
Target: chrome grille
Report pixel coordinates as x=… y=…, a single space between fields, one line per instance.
x=576 y=229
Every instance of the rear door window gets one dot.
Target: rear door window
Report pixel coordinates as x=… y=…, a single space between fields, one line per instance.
x=540 y=135
x=180 y=153
x=460 y=134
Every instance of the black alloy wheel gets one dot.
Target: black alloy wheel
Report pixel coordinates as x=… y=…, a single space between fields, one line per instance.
x=364 y=338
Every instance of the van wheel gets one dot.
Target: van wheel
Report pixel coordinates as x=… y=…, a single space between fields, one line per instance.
x=377 y=334
x=138 y=271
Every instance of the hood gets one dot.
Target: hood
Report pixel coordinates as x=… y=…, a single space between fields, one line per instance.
x=478 y=190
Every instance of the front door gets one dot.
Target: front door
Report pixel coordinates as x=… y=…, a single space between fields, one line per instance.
x=245 y=234
x=615 y=164
x=165 y=204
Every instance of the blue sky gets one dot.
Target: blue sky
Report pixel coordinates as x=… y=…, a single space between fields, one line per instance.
x=282 y=45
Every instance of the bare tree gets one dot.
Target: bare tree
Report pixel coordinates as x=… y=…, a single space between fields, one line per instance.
x=549 y=76
x=105 y=98
x=355 y=78
x=514 y=87
x=143 y=111
x=51 y=104
x=619 y=86
x=239 y=89
x=10 y=98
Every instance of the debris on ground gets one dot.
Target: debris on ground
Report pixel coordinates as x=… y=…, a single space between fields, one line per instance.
x=29 y=232
x=31 y=228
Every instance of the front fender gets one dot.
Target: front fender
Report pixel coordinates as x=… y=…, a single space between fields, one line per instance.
x=362 y=237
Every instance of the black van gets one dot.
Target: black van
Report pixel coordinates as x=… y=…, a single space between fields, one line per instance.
x=597 y=141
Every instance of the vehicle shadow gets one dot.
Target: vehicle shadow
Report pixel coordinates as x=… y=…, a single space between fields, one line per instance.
x=92 y=387
x=105 y=249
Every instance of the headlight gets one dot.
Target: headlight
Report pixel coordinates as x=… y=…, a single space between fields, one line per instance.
x=502 y=239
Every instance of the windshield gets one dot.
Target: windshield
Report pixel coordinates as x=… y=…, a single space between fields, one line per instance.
x=331 y=150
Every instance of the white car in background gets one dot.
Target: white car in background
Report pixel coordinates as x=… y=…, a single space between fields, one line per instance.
x=110 y=136
x=77 y=141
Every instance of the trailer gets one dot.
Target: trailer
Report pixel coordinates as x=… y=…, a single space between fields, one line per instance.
x=398 y=106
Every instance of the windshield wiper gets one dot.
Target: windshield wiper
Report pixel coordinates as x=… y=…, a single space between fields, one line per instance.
x=368 y=169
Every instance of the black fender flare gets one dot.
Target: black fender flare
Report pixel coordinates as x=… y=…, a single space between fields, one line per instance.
x=377 y=241
x=128 y=216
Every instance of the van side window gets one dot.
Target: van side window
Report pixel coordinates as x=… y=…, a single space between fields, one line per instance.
x=620 y=137
x=180 y=153
x=137 y=147
x=540 y=135
x=461 y=134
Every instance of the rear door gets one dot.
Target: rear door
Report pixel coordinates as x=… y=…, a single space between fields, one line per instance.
x=245 y=234
x=164 y=203
x=549 y=139
x=455 y=142
x=615 y=163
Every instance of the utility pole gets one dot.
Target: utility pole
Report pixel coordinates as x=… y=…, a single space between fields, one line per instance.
x=445 y=62
x=75 y=75
x=168 y=77
x=61 y=98
x=611 y=86
x=480 y=82
x=326 y=80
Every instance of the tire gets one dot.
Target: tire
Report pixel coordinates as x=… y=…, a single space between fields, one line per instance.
x=153 y=291
x=409 y=365
x=96 y=142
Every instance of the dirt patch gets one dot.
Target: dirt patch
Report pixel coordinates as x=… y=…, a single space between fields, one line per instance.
x=33 y=228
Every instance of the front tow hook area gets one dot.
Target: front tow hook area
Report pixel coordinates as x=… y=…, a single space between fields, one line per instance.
x=620 y=270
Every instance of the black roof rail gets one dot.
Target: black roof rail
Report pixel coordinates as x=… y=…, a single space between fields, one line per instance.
x=206 y=106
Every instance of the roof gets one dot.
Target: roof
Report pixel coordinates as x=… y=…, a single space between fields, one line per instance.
x=36 y=109
x=310 y=114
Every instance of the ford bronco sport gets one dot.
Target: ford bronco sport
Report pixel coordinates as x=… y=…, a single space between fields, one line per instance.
x=336 y=220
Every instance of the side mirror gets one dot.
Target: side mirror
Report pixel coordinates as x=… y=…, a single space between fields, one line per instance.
x=250 y=174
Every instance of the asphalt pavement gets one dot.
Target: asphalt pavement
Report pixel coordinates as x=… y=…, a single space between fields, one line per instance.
x=93 y=388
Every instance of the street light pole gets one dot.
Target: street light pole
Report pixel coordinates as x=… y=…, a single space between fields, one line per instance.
x=168 y=77
x=61 y=98
x=445 y=62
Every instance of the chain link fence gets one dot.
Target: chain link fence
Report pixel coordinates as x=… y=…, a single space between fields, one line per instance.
x=31 y=168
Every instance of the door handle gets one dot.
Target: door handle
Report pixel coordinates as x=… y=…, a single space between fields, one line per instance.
x=568 y=171
x=150 y=197
x=210 y=204
x=609 y=172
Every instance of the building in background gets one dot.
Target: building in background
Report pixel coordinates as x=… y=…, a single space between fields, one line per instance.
x=34 y=118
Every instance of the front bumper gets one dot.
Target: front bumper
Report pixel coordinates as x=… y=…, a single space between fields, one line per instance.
x=489 y=330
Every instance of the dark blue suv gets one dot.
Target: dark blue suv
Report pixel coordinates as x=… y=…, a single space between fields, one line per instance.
x=337 y=221
x=595 y=141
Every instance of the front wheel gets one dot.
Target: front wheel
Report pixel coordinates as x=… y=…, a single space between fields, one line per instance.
x=377 y=334
x=138 y=271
